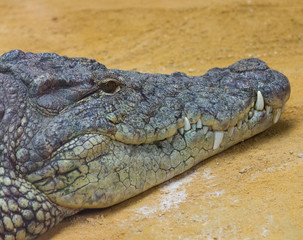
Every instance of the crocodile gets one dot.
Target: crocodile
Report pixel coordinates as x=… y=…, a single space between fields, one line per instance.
x=76 y=135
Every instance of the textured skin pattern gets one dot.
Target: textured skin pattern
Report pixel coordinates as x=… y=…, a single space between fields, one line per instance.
x=25 y=211
x=77 y=135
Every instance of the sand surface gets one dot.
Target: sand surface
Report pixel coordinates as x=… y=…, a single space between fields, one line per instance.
x=253 y=190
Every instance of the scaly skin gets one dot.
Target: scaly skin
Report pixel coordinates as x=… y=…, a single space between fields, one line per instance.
x=77 y=135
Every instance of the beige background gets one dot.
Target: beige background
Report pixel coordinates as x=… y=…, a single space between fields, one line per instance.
x=251 y=191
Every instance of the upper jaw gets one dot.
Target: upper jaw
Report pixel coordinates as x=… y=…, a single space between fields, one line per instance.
x=201 y=101
x=189 y=123
x=219 y=100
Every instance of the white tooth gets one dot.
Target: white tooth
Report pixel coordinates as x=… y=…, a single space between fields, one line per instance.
x=260 y=102
x=193 y=126
x=181 y=130
x=199 y=124
x=246 y=117
x=268 y=109
x=277 y=114
x=187 y=124
x=218 y=139
x=205 y=129
x=251 y=113
x=239 y=124
x=231 y=131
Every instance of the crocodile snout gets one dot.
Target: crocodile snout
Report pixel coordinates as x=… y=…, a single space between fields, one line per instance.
x=277 y=91
x=273 y=85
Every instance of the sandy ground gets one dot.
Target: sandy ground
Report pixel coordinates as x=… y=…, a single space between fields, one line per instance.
x=254 y=190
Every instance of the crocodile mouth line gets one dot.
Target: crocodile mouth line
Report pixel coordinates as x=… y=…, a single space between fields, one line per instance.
x=257 y=108
x=87 y=147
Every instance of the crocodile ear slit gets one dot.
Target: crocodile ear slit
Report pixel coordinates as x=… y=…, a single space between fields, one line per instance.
x=2 y=111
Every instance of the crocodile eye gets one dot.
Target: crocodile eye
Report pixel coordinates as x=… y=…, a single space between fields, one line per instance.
x=110 y=86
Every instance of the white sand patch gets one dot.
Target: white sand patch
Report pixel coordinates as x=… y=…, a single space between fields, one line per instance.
x=207 y=174
x=146 y=210
x=173 y=193
x=216 y=194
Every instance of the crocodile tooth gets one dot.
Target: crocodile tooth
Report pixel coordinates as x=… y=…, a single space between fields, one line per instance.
x=199 y=124
x=187 y=124
x=170 y=139
x=251 y=113
x=193 y=126
x=218 y=139
x=230 y=131
x=181 y=130
x=268 y=109
x=205 y=129
x=239 y=124
x=277 y=114
x=260 y=102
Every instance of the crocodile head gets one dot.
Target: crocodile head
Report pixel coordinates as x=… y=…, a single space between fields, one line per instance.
x=89 y=137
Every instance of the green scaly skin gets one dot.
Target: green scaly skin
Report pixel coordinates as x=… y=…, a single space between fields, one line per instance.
x=77 y=135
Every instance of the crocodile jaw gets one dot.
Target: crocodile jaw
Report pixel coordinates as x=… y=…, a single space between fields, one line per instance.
x=102 y=172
